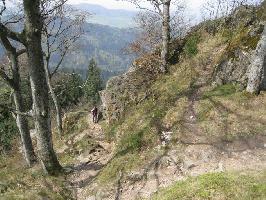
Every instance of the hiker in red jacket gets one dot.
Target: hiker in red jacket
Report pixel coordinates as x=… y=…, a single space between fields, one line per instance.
x=94 y=113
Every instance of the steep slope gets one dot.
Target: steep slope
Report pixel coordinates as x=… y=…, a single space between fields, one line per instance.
x=185 y=124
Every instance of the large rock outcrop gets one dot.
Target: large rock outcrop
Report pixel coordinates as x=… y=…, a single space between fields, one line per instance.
x=256 y=73
x=238 y=56
x=233 y=70
x=129 y=88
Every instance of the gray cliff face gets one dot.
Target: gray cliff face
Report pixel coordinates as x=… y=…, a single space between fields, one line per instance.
x=233 y=70
x=256 y=72
x=129 y=88
x=244 y=66
x=235 y=65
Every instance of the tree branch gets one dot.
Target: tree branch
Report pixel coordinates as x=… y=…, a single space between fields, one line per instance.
x=3 y=8
x=6 y=43
x=21 y=51
x=58 y=64
x=28 y=114
x=7 y=80
x=19 y=37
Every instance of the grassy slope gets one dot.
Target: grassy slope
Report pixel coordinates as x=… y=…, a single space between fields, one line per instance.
x=21 y=183
x=218 y=186
x=17 y=182
x=222 y=112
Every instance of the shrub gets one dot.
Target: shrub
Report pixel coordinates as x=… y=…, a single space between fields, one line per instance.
x=8 y=128
x=8 y=131
x=68 y=89
x=130 y=143
x=191 y=46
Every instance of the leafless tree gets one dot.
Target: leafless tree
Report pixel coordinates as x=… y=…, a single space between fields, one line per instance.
x=162 y=9
x=214 y=9
x=31 y=38
x=149 y=33
x=63 y=26
x=14 y=82
x=60 y=27
x=149 y=30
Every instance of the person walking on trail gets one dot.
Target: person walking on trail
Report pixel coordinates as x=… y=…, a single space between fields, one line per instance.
x=94 y=113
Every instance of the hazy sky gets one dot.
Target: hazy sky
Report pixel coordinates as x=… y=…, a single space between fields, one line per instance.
x=192 y=4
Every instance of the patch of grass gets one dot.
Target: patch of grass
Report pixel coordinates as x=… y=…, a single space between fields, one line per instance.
x=231 y=186
x=20 y=183
x=124 y=163
x=66 y=158
x=175 y=115
x=75 y=122
x=110 y=130
x=227 y=112
x=191 y=46
x=221 y=91
x=204 y=110
x=130 y=143
x=128 y=163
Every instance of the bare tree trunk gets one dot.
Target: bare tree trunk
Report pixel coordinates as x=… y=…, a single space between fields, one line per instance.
x=257 y=67
x=165 y=35
x=23 y=127
x=33 y=28
x=22 y=122
x=55 y=101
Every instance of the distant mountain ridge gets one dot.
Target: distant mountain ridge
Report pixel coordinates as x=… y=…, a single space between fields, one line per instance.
x=112 y=17
x=104 y=43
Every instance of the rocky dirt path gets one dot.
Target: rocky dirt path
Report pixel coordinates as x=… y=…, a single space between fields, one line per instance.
x=173 y=163
x=194 y=157
x=90 y=161
x=178 y=163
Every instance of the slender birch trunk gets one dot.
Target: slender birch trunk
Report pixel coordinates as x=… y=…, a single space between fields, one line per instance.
x=22 y=122
x=165 y=36
x=55 y=101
